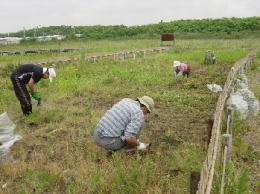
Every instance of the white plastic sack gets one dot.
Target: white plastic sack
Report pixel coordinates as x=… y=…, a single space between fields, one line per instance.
x=7 y=138
x=214 y=87
x=242 y=81
x=243 y=100
x=6 y=125
x=237 y=102
x=249 y=97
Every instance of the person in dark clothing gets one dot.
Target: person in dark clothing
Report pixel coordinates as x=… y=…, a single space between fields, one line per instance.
x=29 y=74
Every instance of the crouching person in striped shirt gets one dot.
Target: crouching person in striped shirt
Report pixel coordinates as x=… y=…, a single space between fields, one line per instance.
x=122 y=125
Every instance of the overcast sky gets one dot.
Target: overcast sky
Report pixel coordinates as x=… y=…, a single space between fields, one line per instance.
x=18 y=14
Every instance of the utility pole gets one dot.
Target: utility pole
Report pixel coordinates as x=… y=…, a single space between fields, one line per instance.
x=37 y=31
x=34 y=32
x=23 y=32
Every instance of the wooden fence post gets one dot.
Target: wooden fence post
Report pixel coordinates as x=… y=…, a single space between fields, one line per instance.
x=133 y=55
x=227 y=141
x=230 y=120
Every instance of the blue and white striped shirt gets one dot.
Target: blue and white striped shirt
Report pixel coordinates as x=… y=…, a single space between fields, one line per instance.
x=124 y=119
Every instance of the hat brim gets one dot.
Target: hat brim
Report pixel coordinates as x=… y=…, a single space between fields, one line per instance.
x=144 y=103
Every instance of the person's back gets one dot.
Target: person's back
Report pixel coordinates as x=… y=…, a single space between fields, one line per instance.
x=115 y=120
x=28 y=75
x=27 y=71
x=209 y=58
x=183 y=67
x=120 y=127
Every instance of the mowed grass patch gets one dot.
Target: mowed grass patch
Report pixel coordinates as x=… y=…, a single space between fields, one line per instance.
x=57 y=153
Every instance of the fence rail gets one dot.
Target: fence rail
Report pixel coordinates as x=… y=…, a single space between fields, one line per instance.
x=207 y=172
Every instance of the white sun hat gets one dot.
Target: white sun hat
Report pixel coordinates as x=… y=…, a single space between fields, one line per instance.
x=176 y=63
x=147 y=101
x=52 y=74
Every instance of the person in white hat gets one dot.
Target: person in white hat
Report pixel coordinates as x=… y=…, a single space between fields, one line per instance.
x=122 y=125
x=181 y=69
x=29 y=74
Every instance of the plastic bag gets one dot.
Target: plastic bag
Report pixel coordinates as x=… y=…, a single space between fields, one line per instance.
x=7 y=137
x=249 y=97
x=243 y=100
x=242 y=81
x=214 y=87
x=237 y=102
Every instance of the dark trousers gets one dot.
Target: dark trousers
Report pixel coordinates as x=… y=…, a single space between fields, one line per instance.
x=22 y=94
x=184 y=73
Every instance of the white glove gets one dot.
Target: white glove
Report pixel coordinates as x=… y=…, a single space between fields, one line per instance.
x=141 y=146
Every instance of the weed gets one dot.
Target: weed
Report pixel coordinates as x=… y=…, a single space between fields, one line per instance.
x=39 y=180
x=34 y=118
x=239 y=143
x=127 y=180
x=253 y=67
x=149 y=166
x=236 y=181
x=239 y=126
x=7 y=70
x=52 y=115
x=251 y=154
x=93 y=181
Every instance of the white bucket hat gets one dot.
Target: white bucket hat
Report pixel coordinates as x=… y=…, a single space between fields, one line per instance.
x=51 y=71
x=147 y=101
x=52 y=74
x=176 y=63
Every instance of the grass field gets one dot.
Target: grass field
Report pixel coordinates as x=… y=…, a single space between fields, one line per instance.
x=57 y=153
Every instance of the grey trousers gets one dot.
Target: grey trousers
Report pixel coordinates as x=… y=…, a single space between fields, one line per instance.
x=109 y=143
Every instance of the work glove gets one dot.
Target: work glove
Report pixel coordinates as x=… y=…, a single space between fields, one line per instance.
x=36 y=95
x=141 y=146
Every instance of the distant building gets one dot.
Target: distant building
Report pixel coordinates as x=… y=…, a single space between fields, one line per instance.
x=50 y=37
x=17 y=40
x=78 y=35
x=10 y=40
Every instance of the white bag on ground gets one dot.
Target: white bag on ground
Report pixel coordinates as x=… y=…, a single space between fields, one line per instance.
x=242 y=81
x=214 y=87
x=7 y=137
x=249 y=97
x=237 y=102
x=243 y=99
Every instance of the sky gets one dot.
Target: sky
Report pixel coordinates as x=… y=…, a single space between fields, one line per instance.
x=16 y=15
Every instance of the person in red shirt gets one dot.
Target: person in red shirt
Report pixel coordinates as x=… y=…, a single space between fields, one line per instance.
x=181 y=69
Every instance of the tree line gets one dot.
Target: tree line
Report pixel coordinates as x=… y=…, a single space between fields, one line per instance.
x=96 y=32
